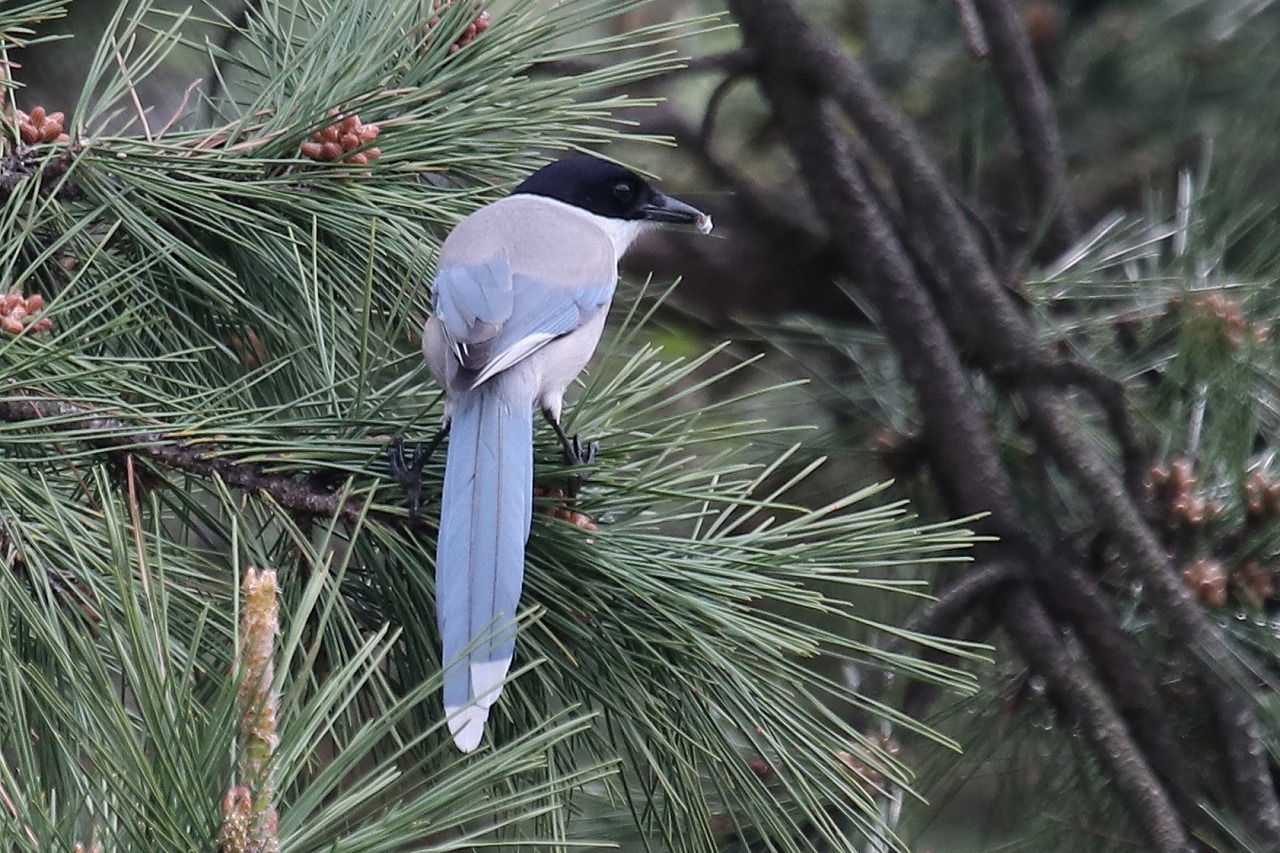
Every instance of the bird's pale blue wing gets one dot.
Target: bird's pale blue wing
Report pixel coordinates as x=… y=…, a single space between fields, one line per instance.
x=495 y=317
x=473 y=302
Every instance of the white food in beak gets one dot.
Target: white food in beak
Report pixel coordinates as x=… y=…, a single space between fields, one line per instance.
x=704 y=224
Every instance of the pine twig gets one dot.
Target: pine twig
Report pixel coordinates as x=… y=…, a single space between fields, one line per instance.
x=299 y=495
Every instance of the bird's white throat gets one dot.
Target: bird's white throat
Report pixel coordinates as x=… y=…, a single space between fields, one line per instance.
x=622 y=232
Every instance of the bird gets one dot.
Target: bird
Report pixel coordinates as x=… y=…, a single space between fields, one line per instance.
x=519 y=301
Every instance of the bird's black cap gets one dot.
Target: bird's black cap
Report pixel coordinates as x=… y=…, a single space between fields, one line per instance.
x=607 y=189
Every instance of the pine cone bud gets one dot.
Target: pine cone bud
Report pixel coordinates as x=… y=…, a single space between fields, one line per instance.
x=1182 y=476
x=342 y=141
x=475 y=27
x=39 y=126
x=17 y=313
x=582 y=521
x=1207 y=580
x=1271 y=501
x=1190 y=510
x=1255 y=495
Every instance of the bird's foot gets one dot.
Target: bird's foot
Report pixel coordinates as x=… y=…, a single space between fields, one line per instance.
x=406 y=466
x=578 y=454
x=406 y=463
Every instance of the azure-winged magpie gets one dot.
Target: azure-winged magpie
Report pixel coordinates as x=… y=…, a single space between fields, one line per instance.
x=520 y=298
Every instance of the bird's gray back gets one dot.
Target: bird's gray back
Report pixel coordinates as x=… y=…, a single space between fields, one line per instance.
x=539 y=237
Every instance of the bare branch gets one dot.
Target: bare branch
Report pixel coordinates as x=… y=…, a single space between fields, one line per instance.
x=974 y=37
x=1026 y=98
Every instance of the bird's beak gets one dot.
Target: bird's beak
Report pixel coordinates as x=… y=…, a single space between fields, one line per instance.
x=667 y=209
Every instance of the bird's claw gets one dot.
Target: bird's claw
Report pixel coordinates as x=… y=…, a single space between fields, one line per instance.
x=578 y=454
x=406 y=468
x=575 y=453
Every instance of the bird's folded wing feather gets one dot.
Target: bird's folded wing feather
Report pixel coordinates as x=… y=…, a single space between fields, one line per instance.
x=495 y=317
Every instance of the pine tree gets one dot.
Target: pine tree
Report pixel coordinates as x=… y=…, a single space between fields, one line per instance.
x=218 y=626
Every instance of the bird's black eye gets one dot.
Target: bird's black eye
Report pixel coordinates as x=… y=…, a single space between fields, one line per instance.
x=624 y=191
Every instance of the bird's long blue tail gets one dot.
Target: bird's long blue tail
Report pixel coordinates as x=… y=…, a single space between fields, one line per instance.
x=484 y=523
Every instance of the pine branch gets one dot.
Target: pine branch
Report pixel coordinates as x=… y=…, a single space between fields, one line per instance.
x=226 y=300
x=162 y=447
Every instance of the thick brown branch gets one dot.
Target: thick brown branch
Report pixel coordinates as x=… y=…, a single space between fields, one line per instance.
x=962 y=599
x=1083 y=700
x=1073 y=598
x=956 y=601
x=962 y=446
x=810 y=64
x=964 y=454
x=1106 y=391
x=947 y=233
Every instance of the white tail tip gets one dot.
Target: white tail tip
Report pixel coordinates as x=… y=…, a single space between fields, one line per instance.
x=467 y=726
x=487 y=681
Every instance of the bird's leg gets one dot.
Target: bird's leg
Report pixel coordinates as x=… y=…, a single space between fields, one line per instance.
x=406 y=467
x=575 y=452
